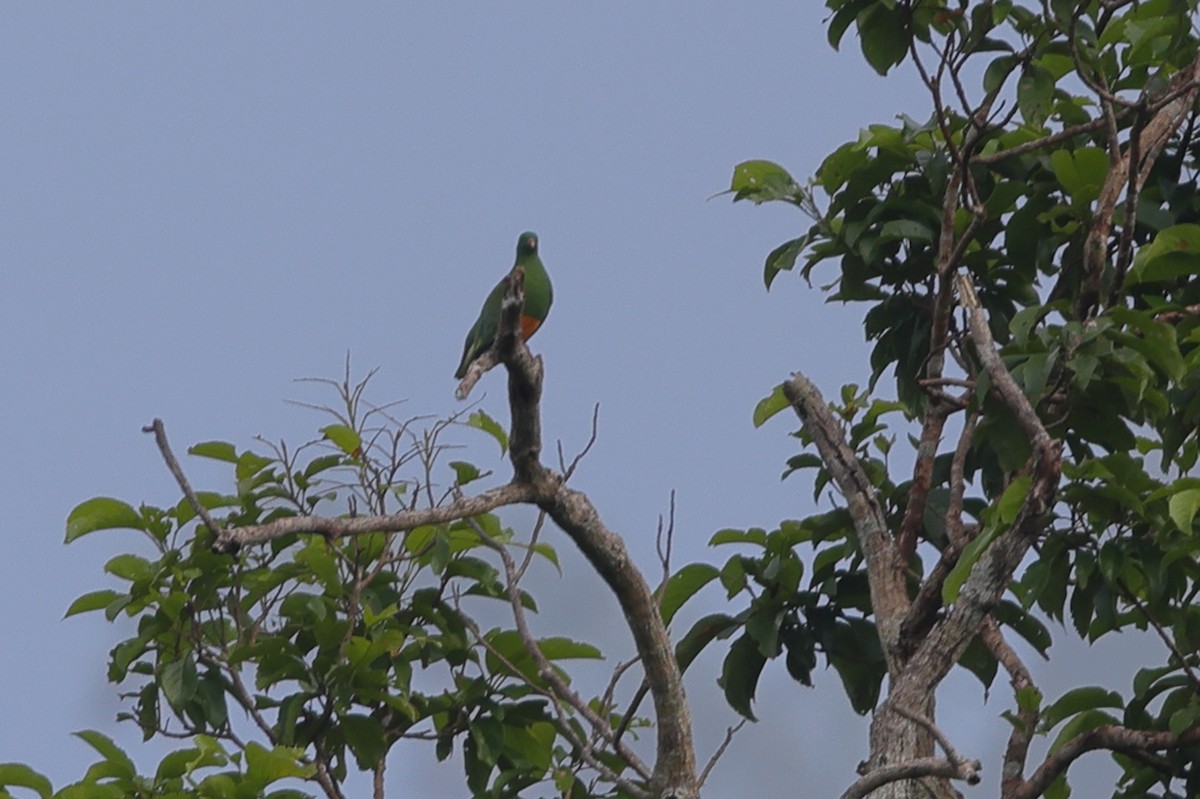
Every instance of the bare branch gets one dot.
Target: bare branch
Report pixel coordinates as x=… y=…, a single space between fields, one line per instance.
x=985 y=348
x=606 y=700
x=945 y=643
x=573 y=512
x=377 y=778
x=569 y=469
x=712 y=761
x=663 y=541
x=1163 y=635
x=337 y=527
x=889 y=594
x=1111 y=737
x=911 y=770
x=1037 y=144
x=969 y=767
x=160 y=438
x=1017 y=751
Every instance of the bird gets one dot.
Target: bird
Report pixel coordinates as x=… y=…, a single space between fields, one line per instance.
x=538 y=297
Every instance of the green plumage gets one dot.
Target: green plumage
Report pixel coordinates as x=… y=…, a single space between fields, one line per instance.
x=538 y=296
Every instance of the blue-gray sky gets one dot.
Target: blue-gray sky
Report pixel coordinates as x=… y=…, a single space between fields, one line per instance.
x=200 y=203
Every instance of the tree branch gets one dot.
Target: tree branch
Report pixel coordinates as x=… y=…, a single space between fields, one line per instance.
x=988 y=579
x=912 y=770
x=970 y=768
x=232 y=538
x=160 y=438
x=889 y=596
x=1111 y=737
x=1017 y=751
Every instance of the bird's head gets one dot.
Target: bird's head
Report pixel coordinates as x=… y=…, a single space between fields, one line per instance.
x=527 y=243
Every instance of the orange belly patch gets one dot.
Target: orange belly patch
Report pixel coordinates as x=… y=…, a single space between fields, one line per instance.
x=529 y=326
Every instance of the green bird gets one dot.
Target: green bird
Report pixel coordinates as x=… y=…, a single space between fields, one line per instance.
x=538 y=296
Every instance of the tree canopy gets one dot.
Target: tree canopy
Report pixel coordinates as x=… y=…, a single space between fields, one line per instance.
x=1016 y=463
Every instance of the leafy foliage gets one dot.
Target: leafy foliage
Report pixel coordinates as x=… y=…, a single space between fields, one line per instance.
x=1088 y=279
x=327 y=651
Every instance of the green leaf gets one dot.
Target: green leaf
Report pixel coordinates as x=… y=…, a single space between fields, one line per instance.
x=1025 y=625
x=883 y=36
x=1035 y=372
x=998 y=71
x=366 y=739
x=1010 y=502
x=487 y=424
x=129 y=567
x=113 y=755
x=1035 y=89
x=102 y=513
x=728 y=535
x=739 y=674
x=842 y=18
x=1087 y=720
x=265 y=766
x=703 y=633
x=179 y=680
x=1006 y=511
x=464 y=472
x=839 y=165
x=1174 y=252
x=770 y=405
x=1025 y=320
x=1185 y=718
x=93 y=600
x=508 y=644
x=344 y=438
x=22 y=776
x=853 y=649
x=1183 y=507
x=250 y=464
x=909 y=229
x=560 y=648
x=178 y=763
x=1081 y=172
x=978 y=660
x=217 y=450
x=209 y=703
x=683 y=585
x=1029 y=699
x=763 y=181
x=1079 y=700
x=783 y=258
x=548 y=552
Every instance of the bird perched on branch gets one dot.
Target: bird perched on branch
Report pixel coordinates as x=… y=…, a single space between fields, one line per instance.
x=538 y=296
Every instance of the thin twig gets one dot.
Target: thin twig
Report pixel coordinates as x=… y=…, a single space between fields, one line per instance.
x=712 y=761
x=1016 y=752
x=160 y=438
x=570 y=469
x=663 y=541
x=1162 y=633
x=1037 y=144
x=951 y=754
